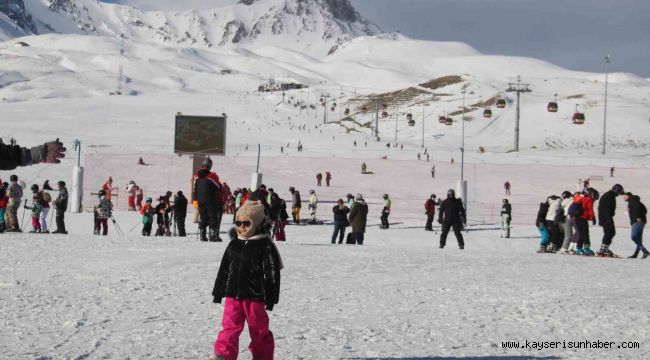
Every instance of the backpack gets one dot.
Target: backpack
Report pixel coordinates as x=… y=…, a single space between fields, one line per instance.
x=575 y=209
x=47 y=197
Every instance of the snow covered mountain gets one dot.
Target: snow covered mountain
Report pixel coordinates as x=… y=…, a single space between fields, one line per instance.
x=311 y=26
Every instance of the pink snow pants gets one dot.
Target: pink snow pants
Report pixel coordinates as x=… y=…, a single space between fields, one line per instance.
x=235 y=312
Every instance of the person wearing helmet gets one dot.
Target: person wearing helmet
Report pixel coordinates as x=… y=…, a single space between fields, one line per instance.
x=430 y=211
x=208 y=194
x=37 y=199
x=452 y=215
x=103 y=211
x=15 y=195
x=385 y=212
x=583 y=245
x=61 y=205
x=566 y=223
x=295 y=205
x=606 y=212
x=147 y=212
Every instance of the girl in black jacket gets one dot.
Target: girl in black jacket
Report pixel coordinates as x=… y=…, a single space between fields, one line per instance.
x=249 y=279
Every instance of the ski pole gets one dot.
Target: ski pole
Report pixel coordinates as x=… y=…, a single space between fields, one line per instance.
x=23 y=219
x=135 y=226
x=117 y=227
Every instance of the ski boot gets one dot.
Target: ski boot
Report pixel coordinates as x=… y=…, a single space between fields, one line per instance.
x=552 y=249
x=214 y=236
x=203 y=235
x=646 y=253
x=588 y=252
x=605 y=252
x=578 y=252
x=542 y=249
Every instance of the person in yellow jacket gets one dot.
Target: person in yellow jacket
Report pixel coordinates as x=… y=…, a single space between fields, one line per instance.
x=385 y=212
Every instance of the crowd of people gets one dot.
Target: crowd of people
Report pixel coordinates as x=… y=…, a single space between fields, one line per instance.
x=563 y=221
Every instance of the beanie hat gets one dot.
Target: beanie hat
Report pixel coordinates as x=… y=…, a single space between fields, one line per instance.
x=252 y=211
x=359 y=196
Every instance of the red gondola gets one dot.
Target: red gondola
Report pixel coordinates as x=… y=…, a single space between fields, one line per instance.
x=442 y=119
x=487 y=113
x=578 y=118
x=501 y=103
x=449 y=121
x=552 y=107
x=347 y=111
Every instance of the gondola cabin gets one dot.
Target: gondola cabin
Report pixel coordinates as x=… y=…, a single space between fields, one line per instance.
x=501 y=103
x=449 y=121
x=384 y=106
x=332 y=108
x=364 y=108
x=384 y=114
x=411 y=122
x=347 y=111
x=578 y=118
x=409 y=116
x=552 y=106
x=442 y=119
x=487 y=113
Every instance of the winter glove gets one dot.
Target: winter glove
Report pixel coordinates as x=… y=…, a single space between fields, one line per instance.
x=269 y=307
x=593 y=222
x=49 y=152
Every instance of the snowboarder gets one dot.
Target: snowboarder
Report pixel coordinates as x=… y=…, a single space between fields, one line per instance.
x=358 y=219
x=319 y=178
x=313 y=205
x=295 y=205
x=207 y=191
x=506 y=218
x=103 y=211
x=385 y=212
x=506 y=186
x=340 y=220
x=638 y=212
x=61 y=205
x=606 y=212
x=147 y=212
x=249 y=279
x=430 y=211
x=328 y=178
x=452 y=215
x=180 y=212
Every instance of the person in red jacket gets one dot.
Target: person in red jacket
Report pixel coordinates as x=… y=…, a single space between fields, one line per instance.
x=430 y=211
x=587 y=203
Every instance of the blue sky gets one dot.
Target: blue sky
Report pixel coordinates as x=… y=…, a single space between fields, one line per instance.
x=575 y=34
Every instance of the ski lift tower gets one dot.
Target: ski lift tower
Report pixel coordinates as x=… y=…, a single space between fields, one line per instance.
x=518 y=88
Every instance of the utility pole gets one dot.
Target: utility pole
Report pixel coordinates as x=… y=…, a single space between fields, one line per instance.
x=422 y=124
x=325 y=96
x=462 y=142
x=377 y=119
x=607 y=60
x=518 y=87
x=396 y=118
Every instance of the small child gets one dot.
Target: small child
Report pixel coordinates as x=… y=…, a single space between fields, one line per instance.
x=103 y=212
x=36 y=214
x=249 y=279
x=540 y=223
x=4 y=200
x=162 y=217
x=147 y=212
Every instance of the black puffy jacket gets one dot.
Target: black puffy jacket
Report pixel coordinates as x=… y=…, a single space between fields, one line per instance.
x=452 y=211
x=250 y=269
x=607 y=207
x=637 y=210
x=180 y=206
x=206 y=191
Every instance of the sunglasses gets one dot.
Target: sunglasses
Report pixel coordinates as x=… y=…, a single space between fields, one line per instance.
x=243 y=223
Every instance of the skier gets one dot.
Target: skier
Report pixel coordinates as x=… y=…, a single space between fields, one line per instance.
x=313 y=205
x=385 y=212
x=358 y=219
x=637 y=211
x=132 y=191
x=278 y=216
x=61 y=205
x=427 y=157
x=37 y=206
x=4 y=199
x=553 y=218
x=295 y=205
x=108 y=188
x=433 y=172
x=249 y=279
x=328 y=178
x=147 y=212
x=583 y=245
x=419 y=156
x=611 y=172
x=606 y=212
x=139 y=195
x=430 y=211
x=162 y=217
x=15 y=195
x=542 y=227
x=566 y=223
x=13 y=156
x=364 y=168
x=340 y=220
x=452 y=215
x=319 y=178
x=180 y=212
x=207 y=191
x=103 y=211
x=506 y=186
x=506 y=218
